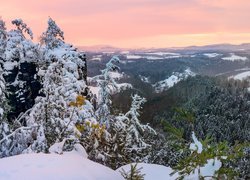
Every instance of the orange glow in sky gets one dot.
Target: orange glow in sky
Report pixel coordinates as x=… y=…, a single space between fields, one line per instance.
x=137 y=23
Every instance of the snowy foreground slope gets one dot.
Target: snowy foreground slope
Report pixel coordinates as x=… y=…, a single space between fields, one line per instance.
x=42 y=166
x=152 y=171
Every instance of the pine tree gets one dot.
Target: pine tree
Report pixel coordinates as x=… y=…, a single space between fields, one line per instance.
x=57 y=114
x=4 y=124
x=106 y=83
x=130 y=140
x=53 y=37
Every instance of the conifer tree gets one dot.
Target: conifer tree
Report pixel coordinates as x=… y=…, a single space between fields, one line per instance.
x=64 y=105
x=4 y=124
x=106 y=83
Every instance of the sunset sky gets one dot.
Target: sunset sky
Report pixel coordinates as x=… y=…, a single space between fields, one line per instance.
x=137 y=23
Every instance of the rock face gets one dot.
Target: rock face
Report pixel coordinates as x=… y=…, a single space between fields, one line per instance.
x=24 y=85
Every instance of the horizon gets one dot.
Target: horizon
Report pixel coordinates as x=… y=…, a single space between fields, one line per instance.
x=174 y=47
x=137 y=23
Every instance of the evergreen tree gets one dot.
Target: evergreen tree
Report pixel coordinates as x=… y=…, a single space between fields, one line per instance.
x=4 y=124
x=106 y=83
x=64 y=105
x=53 y=37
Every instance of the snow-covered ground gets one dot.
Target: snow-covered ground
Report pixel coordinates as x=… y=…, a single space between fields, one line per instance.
x=234 y=57
x=96 y=58
x=211 y=55
x=67 y=166
x=131 y=56
x=153 y=56
x=241 y=76
x=163 y=53
x=152 y=171
x=172 y=80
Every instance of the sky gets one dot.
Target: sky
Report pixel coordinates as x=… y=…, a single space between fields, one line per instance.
x=137 y=23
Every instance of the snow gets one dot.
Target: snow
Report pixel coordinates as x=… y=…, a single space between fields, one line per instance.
x=211 y=55
x=144 y=79
x=69 y=165
x=196 y=145
x=153 y=56
x=96 y=58
x=8 y=65
x=124 y=86
x=241 y=76
x=116 y=75
x=124 y=52
x=209 y=168
x=57 y=147
x=172 y=80
x=94 y=90
x=120 y=87
x=163 y=53
x=234 y=57
x=130 y=56
x=152 y=171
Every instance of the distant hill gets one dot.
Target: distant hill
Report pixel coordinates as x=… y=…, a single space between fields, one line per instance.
x=213 y=47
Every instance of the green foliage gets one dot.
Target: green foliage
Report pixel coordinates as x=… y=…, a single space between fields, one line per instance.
x=216 y=151
x=183 y=114
x=133 y=174
x=177 y=133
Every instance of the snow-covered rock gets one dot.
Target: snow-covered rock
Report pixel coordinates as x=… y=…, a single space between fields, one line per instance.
x=53 y=167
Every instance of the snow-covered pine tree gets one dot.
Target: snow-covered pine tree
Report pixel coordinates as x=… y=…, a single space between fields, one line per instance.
x=4 y=124
x=137 y=136
x=106 y=83
x=19 y=47
x=130 y=141
x=64 y=105
x=53 y=37
x=96 y=137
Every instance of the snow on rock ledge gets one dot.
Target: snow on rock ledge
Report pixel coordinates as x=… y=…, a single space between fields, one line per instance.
x=41 y=166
